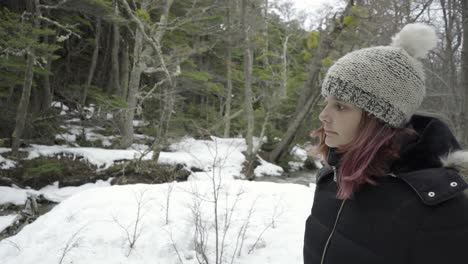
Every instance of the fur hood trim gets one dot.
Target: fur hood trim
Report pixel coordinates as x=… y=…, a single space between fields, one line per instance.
x=457 y=160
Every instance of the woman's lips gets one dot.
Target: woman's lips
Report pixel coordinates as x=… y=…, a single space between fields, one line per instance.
x=329 y=132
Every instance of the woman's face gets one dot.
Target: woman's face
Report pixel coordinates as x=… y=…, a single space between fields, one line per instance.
x=340 y=121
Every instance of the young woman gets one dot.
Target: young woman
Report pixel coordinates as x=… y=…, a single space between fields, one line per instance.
x=391 y=190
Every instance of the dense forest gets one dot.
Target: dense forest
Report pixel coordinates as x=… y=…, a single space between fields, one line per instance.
x=225 y=68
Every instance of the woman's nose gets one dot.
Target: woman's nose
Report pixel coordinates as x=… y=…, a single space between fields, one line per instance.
x=324 y=117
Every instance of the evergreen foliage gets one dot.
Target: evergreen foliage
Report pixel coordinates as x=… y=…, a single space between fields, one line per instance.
x=193 y=41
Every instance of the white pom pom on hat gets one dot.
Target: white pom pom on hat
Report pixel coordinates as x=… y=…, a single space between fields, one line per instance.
x=416 y=39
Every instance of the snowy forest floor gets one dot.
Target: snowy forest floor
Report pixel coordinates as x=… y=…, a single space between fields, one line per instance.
x=215 y=216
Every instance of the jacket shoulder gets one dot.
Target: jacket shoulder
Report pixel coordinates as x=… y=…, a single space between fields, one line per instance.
x=435 y=185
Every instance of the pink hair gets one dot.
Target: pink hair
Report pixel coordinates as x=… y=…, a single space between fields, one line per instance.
x=369 y=154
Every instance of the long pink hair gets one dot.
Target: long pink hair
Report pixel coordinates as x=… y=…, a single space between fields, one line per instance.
x=368 y=155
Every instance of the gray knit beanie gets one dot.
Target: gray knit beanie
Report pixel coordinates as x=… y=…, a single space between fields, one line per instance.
x=385 y=81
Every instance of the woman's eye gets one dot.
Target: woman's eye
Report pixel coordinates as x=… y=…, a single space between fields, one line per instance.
x=340 y=107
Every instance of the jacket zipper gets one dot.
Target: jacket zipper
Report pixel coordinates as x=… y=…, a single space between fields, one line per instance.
x=335 y=179
x=332 y=232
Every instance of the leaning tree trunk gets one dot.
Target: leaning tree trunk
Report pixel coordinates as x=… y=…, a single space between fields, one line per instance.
x=281 y=148
x=312 y=92
x=26 y=93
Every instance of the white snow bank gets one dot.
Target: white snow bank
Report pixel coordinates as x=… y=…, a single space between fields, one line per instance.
x=138 y=123
x=67 y=137
x=267 y=169
x=19 y=196
x=91 y=225
x=6 y=164
x=102 y=158
x=219 y=156
x=299 y=152
x=59 y=105
x=6 y=221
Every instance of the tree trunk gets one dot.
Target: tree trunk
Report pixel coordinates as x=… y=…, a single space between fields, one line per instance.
x=284 y=69
x=133 y=87
x=124 y=71
x=248 y=62
x=227 y=112
x=464 y=70
x=452 y=103
x=166 y=113
x=115 y=77
x=93 y=62
x=11 y=93
x=124 y=76
x=46 y=89
x=21 y=115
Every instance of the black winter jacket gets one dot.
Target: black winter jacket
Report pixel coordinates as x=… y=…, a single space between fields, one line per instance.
x=417 y=214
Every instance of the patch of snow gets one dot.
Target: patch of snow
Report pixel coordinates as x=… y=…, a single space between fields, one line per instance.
x=267 y=169
x=139 y=147
x=6 y=164
x=19 y=196
x=56 y=194
x=13 y=195
x=139 y=123
x=3 y=150
x=59 y=105
x=299 y=152
x=295 y=165
x=219 y=156
x=106 y=140
x=102 y=158
x=67 y=137
x=89 y=111
x=6 y=221
x=143 y=137
x=73 y=120
x=75 y=130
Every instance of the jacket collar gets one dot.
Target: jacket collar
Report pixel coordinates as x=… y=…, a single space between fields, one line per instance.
x=432 y=161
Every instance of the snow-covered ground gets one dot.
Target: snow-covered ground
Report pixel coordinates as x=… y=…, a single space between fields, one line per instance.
x=265 y=225
x=258 y=222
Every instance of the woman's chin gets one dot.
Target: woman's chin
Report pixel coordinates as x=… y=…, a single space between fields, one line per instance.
x=330 y=143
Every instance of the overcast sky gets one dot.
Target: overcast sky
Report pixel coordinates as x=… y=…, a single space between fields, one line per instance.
x=310 y=7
